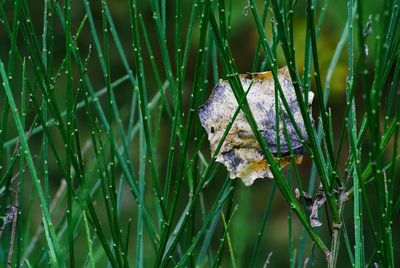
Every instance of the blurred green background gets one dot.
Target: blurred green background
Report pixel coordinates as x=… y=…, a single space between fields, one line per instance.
x=250 y=201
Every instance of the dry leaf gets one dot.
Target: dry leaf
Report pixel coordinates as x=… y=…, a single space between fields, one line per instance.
x=313 y=206
x=241 y=152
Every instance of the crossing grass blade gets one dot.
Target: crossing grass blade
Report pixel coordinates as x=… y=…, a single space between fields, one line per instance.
x=54 y=248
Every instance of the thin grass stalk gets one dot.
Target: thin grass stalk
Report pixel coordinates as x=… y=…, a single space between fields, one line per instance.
x=166 y=104
x=10 y=71
x=125 y=168
x=264 y=222
x=392 y=47
x=56 y=254
x=103 y=172
x=212 y=230
x=139 y=240
x=118 y=44
x=94 y=220
x=257 y=53
x=215 y=212
x=184 y=144
x=319 y=93
x=51 y=122
x=117 y=240
x=229 y=242
x=41 y=74
x=48 y=59
x=274 y=168
x=206 y=174
x=373 y=103
x=181 y=72
x=91 y=262
x=154 y=67
x=98 y=229
x=103 y=65
x=303 y=107
x=69 y=126
x=392 y=176
x=292 y=250
x=143 y=100
x=318 y=158
x=21 y=209
x=352 y=126
x=161 y=29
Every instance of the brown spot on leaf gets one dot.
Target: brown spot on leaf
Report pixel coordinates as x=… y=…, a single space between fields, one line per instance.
x=241 y=152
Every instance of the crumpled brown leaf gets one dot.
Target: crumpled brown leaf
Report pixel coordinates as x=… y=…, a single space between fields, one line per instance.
x=241 y=152
x=313 y=206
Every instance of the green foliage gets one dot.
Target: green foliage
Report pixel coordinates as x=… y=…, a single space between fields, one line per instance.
x=98 y=170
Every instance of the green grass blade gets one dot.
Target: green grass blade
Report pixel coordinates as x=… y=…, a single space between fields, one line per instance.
x=56 y=254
